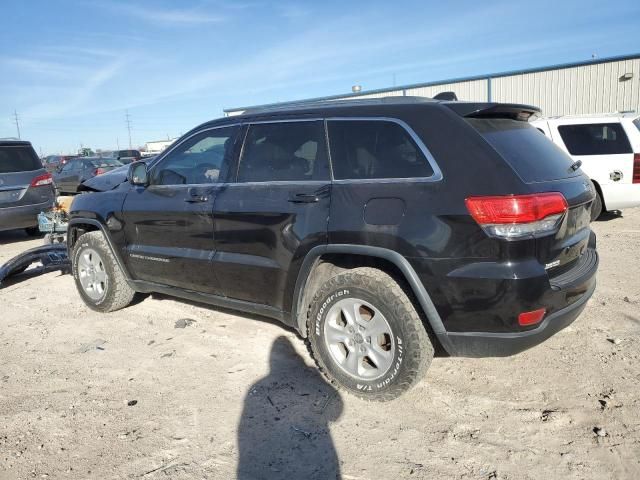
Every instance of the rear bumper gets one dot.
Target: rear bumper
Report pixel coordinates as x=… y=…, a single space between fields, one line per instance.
x=482 y=344
x=22 y=217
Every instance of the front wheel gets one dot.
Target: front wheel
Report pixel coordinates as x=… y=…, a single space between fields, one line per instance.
x=366 y=336
x=98 y=276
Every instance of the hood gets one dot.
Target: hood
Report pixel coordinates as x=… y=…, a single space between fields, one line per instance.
x=111 y=179
x=106 y=181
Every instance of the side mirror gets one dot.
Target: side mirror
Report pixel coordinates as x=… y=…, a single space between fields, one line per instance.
x=138 y=174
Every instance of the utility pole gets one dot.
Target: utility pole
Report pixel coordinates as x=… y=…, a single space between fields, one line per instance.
x=118 y=142
x=15 y=115
x=128 y=118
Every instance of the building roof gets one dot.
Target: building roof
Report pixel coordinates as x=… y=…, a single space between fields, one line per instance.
x=438 y=82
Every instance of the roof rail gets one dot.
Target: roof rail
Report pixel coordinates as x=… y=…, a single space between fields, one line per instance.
x=395 y=99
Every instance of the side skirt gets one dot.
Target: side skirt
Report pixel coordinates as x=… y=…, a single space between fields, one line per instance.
x=216 y=300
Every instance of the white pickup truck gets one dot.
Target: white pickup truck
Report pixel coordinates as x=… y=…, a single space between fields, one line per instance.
x=609 y=148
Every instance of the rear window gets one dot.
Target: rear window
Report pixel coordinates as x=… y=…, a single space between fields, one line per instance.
x=595 y=139
x=18 y=159
x=367 y=149
x=636 y=122
x=533 y=156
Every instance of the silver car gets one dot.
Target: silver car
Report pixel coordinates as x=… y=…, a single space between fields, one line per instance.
x=26 y=188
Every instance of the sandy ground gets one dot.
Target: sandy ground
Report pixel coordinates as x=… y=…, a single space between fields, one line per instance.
x=232 y=393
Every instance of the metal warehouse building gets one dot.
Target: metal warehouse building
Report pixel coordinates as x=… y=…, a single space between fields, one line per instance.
x=596 y=86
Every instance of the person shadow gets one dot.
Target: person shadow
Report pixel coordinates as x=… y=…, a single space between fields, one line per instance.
x=284 y=428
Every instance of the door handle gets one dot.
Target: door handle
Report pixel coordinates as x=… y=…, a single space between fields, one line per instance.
x=194 y=196
x=304 y=198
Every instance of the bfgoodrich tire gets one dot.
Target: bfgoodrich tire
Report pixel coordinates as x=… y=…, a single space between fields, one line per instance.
x=98 y=277
x=366 y=336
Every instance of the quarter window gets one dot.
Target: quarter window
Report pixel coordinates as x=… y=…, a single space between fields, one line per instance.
x=368 y=149
x=204 y=158
x=595 y=139
x=284 y=151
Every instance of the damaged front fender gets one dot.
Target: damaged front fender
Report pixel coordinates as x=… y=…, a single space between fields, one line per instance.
x=50 y=257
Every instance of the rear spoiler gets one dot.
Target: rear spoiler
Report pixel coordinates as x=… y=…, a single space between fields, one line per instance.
x=513 y=111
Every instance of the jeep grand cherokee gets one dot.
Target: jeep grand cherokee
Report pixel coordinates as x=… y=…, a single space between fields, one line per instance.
x=378 y=229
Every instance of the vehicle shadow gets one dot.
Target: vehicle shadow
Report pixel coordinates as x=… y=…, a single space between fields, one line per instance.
x=284 y=428
x=14 y=236
x=608 y=216
x=216 y=308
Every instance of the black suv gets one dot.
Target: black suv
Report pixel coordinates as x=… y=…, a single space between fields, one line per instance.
x=381 y=230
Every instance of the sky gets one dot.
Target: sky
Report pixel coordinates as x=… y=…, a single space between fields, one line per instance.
x=72 y=69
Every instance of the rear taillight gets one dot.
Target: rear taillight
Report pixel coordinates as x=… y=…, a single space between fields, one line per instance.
x=517 y=216
x=636 y=168
x=99 y=171
x=42 y=180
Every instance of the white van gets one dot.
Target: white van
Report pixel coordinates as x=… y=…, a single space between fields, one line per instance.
x=609 y=148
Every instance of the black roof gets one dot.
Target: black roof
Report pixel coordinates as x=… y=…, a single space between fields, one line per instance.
x=14 y=142
x=329 y=105
x=386 y=106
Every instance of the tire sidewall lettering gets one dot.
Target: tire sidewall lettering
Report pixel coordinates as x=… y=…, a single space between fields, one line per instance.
x=360 y=384
x=328 y=301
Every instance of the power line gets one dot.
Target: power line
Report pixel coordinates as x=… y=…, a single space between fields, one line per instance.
x=15 y=115
x=128 y=119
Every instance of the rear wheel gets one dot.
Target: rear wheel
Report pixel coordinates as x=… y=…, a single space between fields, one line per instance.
x=98 y=277
x=366 y=336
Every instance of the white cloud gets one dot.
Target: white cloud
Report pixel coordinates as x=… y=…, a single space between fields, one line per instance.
x=160 y=15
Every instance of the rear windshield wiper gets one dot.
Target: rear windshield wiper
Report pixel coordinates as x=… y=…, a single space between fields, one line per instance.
x=575 y=165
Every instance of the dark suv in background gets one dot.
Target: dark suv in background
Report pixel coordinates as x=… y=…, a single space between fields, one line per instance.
x=380 y=230
x=26 y=188
x=126 y=156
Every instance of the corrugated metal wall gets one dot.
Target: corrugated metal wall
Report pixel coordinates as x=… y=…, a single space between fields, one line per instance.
x=596 y=88
x=469 y=90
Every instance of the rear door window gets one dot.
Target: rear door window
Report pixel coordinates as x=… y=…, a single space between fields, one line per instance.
x=284 y=151
x=532 y=156
x=369 y=149
x=595 y=139
x=18 y=159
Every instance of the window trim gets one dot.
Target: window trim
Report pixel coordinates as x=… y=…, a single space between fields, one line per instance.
x=167 y=152
x=248 y=125
x=435 y=177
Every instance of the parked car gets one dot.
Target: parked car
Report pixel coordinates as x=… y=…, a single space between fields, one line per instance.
x=379 y=229
x=126 y=156
x=55 y=162
x=608 y=147
x=26 y=188
x=76 y=171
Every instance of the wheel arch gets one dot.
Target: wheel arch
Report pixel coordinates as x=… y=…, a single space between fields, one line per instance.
x=320 y=254
x=78 y=226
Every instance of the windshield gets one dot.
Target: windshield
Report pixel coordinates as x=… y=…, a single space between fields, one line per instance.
x=105 y=162
x=18 y=159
